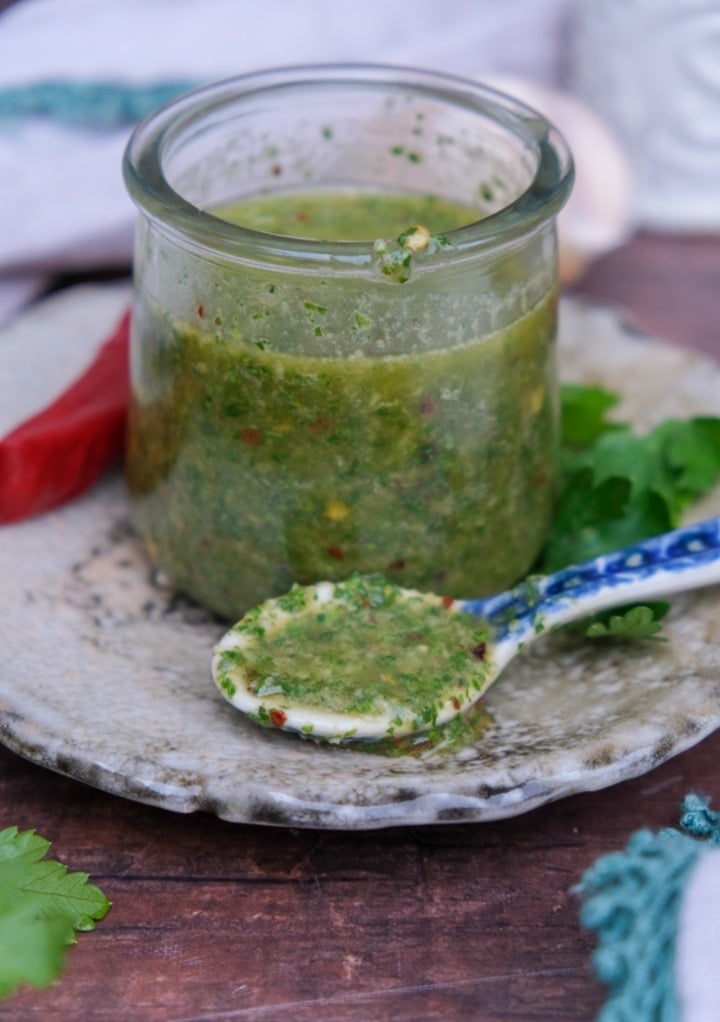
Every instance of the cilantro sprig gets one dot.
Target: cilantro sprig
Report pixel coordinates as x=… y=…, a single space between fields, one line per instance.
x=41 y=908
x=619 y=487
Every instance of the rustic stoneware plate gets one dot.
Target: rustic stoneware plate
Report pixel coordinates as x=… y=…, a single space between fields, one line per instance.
x=104 y=673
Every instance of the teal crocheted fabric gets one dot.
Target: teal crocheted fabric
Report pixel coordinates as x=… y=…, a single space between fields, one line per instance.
x=100 y=104
x=632 y=899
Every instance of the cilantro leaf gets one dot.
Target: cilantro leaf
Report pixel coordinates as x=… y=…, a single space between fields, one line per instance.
x=619 y=487
x=32 y=949
x=641 y=621
x=692 y=453
x=41 y=907
x=584 y=412
x=583 y=512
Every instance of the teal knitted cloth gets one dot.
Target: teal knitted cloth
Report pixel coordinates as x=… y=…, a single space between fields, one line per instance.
x=99 y=104
x=632 y=899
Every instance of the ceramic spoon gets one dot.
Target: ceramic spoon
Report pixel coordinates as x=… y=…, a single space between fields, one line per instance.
x=364 y=659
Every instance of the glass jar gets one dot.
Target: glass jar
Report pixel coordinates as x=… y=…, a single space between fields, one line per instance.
x=303 y=409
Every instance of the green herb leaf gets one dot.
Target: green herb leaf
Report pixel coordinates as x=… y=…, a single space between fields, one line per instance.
x=619 y=487
x=584 y=413
x=41 y=907
x=32 y=950
x=692 y=452
x=641 y=621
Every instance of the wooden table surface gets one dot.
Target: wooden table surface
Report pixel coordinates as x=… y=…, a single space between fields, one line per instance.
x=212 y=920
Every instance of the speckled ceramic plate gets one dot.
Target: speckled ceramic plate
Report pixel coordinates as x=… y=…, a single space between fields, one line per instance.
x=104 y=675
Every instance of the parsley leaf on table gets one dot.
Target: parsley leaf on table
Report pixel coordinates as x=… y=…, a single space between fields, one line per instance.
x=619 y=487
x=41 y=907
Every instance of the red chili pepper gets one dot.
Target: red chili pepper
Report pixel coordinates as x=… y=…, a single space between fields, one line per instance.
x=277 y=717
x=447 y=602
x=60 y=452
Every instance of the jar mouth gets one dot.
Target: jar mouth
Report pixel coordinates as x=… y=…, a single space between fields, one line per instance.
x=146 y=178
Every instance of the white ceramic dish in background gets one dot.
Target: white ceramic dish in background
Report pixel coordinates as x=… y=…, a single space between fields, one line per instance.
x=105 y=675
x=649 y=69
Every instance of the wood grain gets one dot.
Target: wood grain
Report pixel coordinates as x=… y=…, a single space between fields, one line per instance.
x=218 y=921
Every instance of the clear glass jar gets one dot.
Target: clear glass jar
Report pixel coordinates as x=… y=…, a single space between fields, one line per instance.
x=303 y=409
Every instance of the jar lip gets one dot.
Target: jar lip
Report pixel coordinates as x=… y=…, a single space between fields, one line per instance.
x=540 y=201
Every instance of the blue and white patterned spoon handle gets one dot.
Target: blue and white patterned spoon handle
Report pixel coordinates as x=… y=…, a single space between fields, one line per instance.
x=688 y=558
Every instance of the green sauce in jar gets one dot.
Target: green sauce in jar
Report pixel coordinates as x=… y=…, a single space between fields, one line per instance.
x=254 y=463
x=346 y=215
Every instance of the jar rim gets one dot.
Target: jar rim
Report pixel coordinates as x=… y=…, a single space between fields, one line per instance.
x=539 y=202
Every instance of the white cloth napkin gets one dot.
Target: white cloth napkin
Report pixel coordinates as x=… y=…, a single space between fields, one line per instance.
x=697 y=955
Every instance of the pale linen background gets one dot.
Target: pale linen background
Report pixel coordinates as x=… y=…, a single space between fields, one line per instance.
x=62 y=200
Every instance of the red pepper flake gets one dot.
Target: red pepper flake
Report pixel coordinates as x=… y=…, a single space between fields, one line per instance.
x=300 y=216
x=250 y=435
x=200 y=309
x=539 y=479
x=447 y=602
x=427 y=404
x=480 y=650
x=397 y=565
x=320 y=426
x=456 y=703
x=278 y=718
x=336 y=553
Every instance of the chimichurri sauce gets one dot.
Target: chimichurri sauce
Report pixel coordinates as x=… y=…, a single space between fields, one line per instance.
x=252 y=467
x=361 y=650
x=364 y=652
x=347 y=216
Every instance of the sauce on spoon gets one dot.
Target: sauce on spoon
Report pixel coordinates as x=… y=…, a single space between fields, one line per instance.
x=359 y=659
x=365 y=659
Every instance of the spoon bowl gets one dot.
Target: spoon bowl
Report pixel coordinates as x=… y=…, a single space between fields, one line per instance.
x=364 y=659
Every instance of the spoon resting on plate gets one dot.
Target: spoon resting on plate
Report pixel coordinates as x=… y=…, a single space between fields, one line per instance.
x=364 y=659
